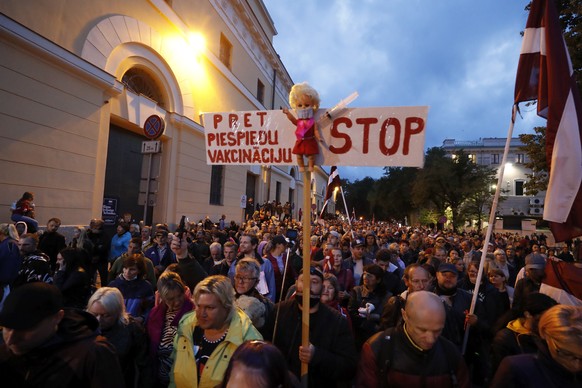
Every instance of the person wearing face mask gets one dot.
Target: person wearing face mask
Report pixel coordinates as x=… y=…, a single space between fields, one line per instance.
x=331 y=354
x=305 y=101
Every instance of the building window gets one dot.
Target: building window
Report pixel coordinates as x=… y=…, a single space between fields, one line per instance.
x=216 y=183
x=521 y=158
x=278 y=192
x=519 y=188
x=260 y=92
x=494 y=158
x=225 y=55
x=473 y=158
x=140 y=81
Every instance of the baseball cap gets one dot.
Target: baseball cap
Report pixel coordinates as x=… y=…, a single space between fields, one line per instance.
x=29 y=304
x=448 y=267
x=278 y=239
x=335 y=234
x=441 y=239
x=535 y=261
x=358 y=241
x=313 y=271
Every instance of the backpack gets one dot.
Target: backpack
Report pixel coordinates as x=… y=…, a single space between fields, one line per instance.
x=386 y=355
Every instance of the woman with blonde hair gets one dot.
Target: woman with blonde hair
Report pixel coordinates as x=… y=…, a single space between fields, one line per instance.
x=126 y=335
x=558 y=362
x=208 y=336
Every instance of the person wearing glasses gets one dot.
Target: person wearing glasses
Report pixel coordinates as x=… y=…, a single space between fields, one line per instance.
x=558 y=362
x=248 y=298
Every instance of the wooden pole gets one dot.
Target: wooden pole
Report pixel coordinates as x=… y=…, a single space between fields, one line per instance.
x=306 y=264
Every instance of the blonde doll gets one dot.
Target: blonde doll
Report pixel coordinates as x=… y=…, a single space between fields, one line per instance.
x=305 y=101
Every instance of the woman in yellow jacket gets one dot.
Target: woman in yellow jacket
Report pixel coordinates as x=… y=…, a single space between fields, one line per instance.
x=208 y=336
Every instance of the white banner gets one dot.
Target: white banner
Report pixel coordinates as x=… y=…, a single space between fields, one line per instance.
x=385 y=136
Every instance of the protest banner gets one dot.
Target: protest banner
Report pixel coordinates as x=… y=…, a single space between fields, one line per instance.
x=383 y=136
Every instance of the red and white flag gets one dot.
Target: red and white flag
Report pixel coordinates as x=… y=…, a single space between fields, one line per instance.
x=563 y=282
x=545 y=74
x=333 y=182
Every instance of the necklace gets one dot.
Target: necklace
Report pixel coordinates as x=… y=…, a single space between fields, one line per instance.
x=215 y=341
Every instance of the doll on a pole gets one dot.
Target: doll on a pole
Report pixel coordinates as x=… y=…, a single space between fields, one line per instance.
x=305 y=101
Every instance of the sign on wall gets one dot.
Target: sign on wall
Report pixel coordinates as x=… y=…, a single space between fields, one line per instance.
x=384 y=136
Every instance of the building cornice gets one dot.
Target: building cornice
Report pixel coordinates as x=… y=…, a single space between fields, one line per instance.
x=26 y=39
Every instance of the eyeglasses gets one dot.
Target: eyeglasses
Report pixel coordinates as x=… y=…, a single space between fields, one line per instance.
x=243 y=279
x=566 y=355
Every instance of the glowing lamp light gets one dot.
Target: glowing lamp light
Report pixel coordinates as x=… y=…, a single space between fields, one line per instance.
x=197 y=43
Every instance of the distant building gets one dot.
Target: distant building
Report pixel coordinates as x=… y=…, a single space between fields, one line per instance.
x=79 y=79
x=488 y=152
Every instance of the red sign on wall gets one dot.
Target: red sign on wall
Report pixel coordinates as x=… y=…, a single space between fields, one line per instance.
x=153 y=127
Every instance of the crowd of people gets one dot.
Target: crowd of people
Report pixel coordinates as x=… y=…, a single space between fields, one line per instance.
x=214 y=304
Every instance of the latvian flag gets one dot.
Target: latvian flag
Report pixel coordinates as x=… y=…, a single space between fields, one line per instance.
x=545 y=74
x=563 y=282
x=332 y=182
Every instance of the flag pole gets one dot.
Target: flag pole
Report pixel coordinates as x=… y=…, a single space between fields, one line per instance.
x=306 y=264
x=323 y=209
x=346 y=207
x=491 y=223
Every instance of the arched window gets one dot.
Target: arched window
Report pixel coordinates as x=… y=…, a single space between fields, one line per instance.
x=139 y=81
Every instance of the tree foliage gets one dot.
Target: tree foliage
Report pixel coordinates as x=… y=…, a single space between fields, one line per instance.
x=357 y=196
x=451 y=182
x=393 y=193
x=534 y=147
x=571 y=18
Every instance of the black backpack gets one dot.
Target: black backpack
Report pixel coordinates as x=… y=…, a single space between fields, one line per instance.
x=386 y=354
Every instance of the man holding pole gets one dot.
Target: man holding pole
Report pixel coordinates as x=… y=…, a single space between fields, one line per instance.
x=331 y=354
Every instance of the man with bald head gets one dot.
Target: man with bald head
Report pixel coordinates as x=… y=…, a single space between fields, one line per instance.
x=413 y=354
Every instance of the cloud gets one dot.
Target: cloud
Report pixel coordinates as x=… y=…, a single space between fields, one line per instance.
x=456 y=56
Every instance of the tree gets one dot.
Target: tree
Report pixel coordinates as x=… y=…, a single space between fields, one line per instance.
x=571 y=18
x=357 y=196
x=478 y=205
x=391 y=193
x=535 y=148
x=451 y=182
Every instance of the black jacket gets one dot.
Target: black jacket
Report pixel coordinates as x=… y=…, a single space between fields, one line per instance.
x=390 y=359
x=335 y=357
x=76 y=356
